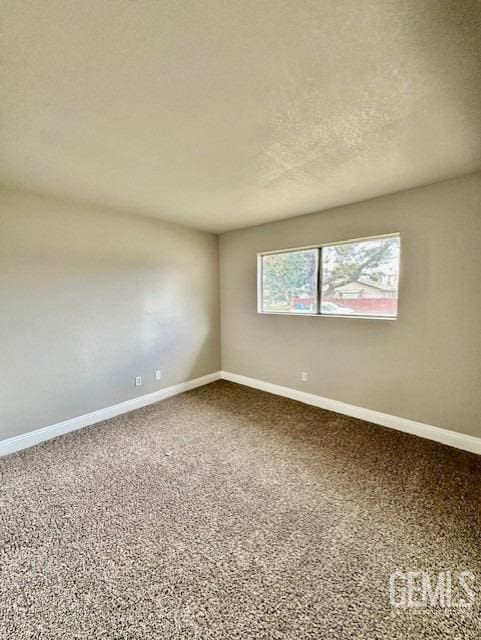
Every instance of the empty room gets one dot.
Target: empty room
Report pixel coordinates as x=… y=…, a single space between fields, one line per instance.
x=240 y=320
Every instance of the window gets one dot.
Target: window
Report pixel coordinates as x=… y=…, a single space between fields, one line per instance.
x=355 y=278
x=289 y=281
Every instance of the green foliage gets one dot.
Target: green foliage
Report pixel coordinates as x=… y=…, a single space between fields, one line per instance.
x=287 y=275
x=346 y=263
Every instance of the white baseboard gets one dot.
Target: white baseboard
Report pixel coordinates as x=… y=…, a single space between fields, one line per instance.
x=438 y=434
x=16 y=443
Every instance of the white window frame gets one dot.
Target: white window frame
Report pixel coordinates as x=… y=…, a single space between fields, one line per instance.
x=318 y=313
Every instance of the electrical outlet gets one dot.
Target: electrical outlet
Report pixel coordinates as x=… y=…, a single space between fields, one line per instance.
x=158 y=374
x=304 y=376
x=138 y=381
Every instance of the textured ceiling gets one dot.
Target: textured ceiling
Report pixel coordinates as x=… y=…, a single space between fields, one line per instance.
x=226 y=113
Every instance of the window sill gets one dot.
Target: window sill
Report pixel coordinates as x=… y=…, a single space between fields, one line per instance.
x=326 y=315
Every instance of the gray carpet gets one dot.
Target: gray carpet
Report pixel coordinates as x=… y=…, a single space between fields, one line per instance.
x=231 y=513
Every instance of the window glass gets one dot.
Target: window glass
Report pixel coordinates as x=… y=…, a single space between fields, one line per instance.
x=361 y=278
x=289 y=281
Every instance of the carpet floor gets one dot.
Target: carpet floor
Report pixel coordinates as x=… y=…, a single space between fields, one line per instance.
x=230 y=513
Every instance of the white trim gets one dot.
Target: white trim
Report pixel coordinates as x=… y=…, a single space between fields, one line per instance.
x=352 y=316
x=25 y=440
x=438 y=434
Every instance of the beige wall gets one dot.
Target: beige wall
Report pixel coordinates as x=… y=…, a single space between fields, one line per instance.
x=426 y=365
x=89 y=299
